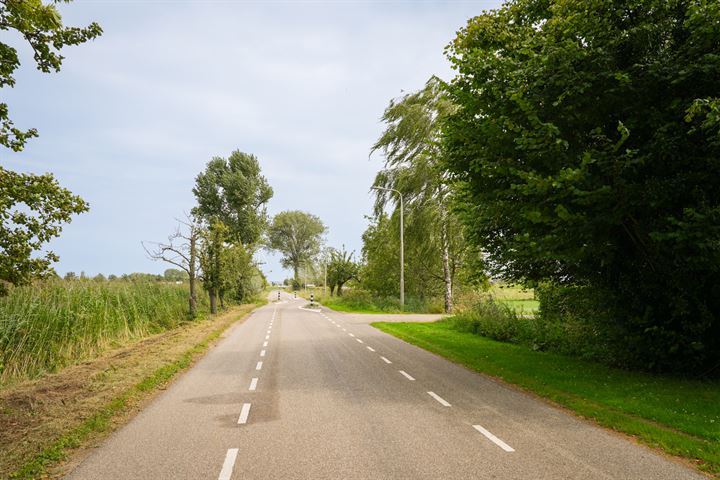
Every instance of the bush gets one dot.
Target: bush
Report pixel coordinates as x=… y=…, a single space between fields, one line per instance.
x=562 y=332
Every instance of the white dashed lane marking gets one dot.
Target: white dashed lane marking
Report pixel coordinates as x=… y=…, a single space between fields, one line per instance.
x=494 y=439
x=258 y=366
x=262 y=353
x=265 y=344
x=228 y=464
x=406 y=375
x=439 y=399
x=359 y=341
x=253 y=384
x=244 y=413
x=371 y=349
x=386 y=360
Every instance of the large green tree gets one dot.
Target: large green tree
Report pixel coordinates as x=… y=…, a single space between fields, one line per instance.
x=413 y=166
x=586 y=149
x=32 y=207
x=297 y=236
x=234 y=192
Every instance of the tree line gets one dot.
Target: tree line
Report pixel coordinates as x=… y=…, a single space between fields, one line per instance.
x=576 y=151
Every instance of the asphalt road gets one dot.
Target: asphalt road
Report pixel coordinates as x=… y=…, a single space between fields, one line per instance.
x=292 y=393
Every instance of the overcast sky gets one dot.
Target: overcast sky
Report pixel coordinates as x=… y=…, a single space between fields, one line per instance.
x=135 y=115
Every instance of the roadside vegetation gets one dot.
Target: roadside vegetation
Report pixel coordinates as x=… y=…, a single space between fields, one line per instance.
x=54 y=323
x=678 y=415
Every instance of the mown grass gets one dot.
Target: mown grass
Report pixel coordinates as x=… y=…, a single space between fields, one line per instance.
x=358 y=301
x=52 y=324
x=682 y=417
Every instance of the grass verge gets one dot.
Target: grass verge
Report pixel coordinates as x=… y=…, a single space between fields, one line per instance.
x=358 y=301
x=44 y=421
x=680 y=417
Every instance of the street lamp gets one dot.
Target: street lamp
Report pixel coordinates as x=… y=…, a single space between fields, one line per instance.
x=402 y=245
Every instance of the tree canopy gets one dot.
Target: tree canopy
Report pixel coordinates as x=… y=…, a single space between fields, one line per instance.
x=297 y=236
x=582 y=147
x=32 y=207
x=234 y=191
x=41 y=26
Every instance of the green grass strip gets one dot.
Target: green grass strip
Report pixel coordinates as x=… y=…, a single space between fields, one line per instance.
x=681 y=417
x=100 y=422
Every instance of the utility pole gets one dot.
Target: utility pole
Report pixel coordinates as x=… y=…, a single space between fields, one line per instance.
x=402 y=244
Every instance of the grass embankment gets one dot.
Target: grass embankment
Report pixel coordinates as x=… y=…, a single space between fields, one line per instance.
x=53 y=324
x=681 y=417
x=46 y=420
x=358 y=301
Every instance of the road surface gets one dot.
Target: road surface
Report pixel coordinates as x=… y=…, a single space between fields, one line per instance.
x=292 y=393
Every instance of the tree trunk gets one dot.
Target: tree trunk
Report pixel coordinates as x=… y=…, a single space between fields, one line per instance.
x=193 y=297
x=332 y=290
x=446 y=268
x=192 y=261
x=339 y=287
x=221 y=294
x=213 y=300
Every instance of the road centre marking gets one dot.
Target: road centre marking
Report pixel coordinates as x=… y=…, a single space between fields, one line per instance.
x=258 y=366
x=253 y=384
x=406 y=375
x=385 y=360
x=351 y=334
x=262 y=353
x=439 y=399
x=359 y=341
x=494 y=439
x=244 y=414
x=265 y=344
x=371 y=349
x=228 y=464
x=267 y=337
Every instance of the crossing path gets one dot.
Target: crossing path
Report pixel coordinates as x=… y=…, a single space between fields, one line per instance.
x=293 y=393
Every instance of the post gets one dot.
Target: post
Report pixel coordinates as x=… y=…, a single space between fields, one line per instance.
x=325 y=286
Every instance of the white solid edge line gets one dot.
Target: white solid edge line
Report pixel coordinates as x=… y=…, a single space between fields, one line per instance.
x=262 y=353
x=359 y=341
x=253 y=384
x=406 y=375
x=439 y=399
x=265 y=344
x=385 y=360
x=494 y=439
x=228 y=464
x=258 y=366
x=371 y=349
x=244 y=413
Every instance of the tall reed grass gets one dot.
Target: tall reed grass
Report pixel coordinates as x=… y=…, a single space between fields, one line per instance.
x=52 y=324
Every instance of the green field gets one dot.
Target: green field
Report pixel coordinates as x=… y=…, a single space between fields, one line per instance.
x=680 y=416
x=52 y=324
x=519 y=299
